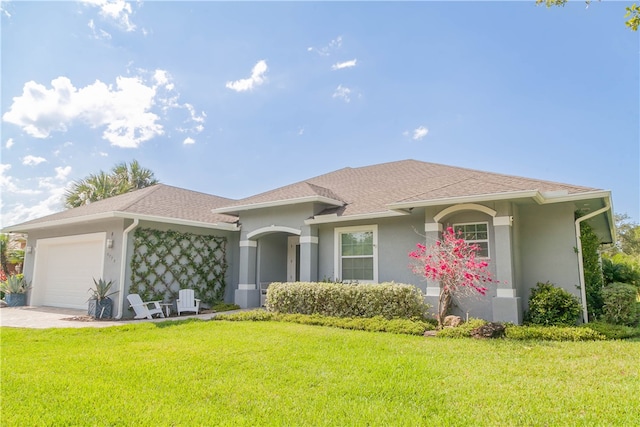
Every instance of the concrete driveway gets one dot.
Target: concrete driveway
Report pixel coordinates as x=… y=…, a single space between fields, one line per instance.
x=52 y=317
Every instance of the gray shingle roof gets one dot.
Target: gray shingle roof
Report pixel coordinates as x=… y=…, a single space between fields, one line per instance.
x=372 y=189
x=160 y=200
x=346 y=192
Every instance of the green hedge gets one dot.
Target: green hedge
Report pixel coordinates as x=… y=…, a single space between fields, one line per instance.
x=389 y=300
x=614 y=332
x=514 y=332
x=552 y=333
x=372 y=324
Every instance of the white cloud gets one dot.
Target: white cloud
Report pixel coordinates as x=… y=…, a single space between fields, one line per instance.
x=103 y=154
x=32 y=160
x=118 y=11
x=62 y=172
x=98 y=33
x=189 y=141
x=345 y=64
x=8 y=184
x=342 y=92
x=124 y=111
x=52 y=188
x=301 y=131
x=19 y=212
x=419 y=133
x=256 y=79
x=9 y=143
x=4 y=11
x=162 y=78
x=326 y=50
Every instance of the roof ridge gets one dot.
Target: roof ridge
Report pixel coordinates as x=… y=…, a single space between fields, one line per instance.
x=326 y=189
x=152 y=189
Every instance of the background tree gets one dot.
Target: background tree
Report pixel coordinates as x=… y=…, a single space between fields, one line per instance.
x=4 y=246
x=452 y=263
x=122 y=178
x=632 y=12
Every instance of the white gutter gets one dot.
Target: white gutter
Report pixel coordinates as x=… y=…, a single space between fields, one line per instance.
x=123 y=266
x=583 y=290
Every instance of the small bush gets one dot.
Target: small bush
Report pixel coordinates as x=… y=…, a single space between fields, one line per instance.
x=552 y=306
x=389 y=300
x=372 y=324
x=462 y=331
x=614 y=332
x=253 y=315
x=620 y=307
x=552 y=333
x=223 y=306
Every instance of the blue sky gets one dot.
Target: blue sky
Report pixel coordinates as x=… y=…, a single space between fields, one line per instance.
x=238 y=98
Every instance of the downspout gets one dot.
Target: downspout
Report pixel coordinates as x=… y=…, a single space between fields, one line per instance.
x=123 y=266
x=583 y=289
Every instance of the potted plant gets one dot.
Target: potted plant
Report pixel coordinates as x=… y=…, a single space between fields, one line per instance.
x=15 y=290
x=100 y=305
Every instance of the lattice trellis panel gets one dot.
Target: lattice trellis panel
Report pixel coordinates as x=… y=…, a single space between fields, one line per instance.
x=164 y=262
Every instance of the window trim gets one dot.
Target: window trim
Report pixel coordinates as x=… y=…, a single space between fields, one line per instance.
x=487 y=240
x=337 y=265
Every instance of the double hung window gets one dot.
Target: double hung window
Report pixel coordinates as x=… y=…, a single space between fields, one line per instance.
x=475 y=234
x=357 y=253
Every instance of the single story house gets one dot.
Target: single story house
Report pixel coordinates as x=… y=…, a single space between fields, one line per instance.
x=355 y=224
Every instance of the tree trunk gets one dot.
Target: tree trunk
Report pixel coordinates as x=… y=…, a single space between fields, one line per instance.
x=444 y=303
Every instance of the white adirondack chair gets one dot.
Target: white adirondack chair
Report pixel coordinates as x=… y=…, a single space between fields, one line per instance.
x=142 y=308
x=187 y=301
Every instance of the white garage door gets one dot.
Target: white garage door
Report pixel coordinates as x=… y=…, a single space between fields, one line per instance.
x=65 y=268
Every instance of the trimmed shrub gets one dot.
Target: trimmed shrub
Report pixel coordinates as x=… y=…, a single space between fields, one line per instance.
x=223 y=306
x=620 y=307
x=552 y=306
x=389 y=300
x=552 y=333
x=614 y=332
x=372 y=324
x=462 y=331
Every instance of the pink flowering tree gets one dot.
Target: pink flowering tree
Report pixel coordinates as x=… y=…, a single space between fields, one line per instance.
x=451 y=262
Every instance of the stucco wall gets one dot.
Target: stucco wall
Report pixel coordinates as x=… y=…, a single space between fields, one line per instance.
x=396 y=238
x=287 y=216
x=546 y=236
x=272 y=258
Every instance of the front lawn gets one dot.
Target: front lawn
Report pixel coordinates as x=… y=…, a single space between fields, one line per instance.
x=269 y=373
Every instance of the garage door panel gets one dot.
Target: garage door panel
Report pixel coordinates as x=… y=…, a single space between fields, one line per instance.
x=65 y=271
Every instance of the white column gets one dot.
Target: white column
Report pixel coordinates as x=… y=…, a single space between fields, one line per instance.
x=433 y=232
x=247 y=295
x=506 y=304
x=308 y=259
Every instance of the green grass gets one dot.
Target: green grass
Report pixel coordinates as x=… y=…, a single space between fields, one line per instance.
x=269 y=373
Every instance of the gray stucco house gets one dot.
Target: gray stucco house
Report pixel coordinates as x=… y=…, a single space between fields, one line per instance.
x=352 y=224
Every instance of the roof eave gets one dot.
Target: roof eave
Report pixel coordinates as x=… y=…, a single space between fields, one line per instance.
x=325 y=219
x=541 y=198
x=277 y=203
x=117 y=214
x=463 y=199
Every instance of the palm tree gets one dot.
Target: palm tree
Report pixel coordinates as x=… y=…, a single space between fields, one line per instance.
x=134 y=175
x=123 y=178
